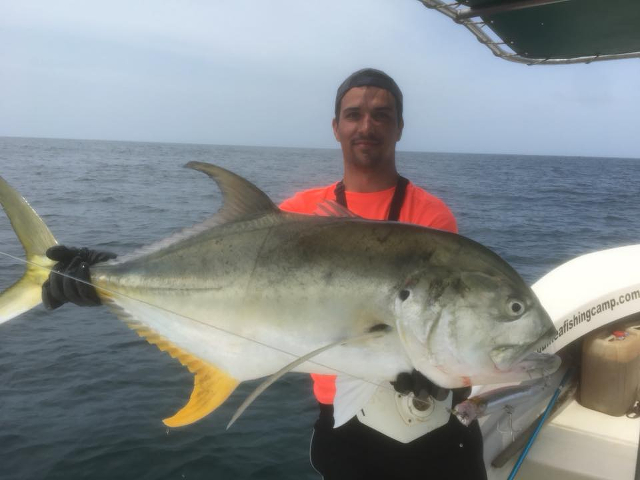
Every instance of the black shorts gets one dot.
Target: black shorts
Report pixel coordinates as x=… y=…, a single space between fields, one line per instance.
x=355 y=451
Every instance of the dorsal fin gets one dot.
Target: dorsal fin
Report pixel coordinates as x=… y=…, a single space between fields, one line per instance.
x=240 y=198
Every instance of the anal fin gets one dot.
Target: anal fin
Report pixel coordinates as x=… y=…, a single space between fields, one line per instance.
x=212 y=386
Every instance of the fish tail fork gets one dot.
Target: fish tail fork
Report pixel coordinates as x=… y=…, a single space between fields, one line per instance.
x=35 y=238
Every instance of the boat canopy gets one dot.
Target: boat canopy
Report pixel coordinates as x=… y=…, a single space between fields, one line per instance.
x=550 y=31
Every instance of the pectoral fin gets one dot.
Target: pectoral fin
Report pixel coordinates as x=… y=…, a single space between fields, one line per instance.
x=374 y=332
x=211 y=387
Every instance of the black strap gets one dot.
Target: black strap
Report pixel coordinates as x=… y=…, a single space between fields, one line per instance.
x=396 y=201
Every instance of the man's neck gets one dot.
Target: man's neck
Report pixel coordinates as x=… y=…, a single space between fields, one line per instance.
x=356 y=180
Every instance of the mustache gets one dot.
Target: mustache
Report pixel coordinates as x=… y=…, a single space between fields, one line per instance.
x=367 y=138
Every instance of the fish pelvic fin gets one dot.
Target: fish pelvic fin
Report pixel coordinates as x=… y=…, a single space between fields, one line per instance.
x=35 y=238
x=211 y=388
x=241 y=198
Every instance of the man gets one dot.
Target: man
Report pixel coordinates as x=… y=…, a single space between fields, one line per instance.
x=368 y=123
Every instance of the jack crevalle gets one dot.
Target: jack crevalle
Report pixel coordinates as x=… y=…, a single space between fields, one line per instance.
x=253 y=291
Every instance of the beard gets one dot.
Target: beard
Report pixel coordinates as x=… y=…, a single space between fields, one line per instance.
x=369 y=158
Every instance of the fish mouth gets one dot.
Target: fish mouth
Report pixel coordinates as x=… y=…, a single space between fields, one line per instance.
x=518 y=357
x=534 y=362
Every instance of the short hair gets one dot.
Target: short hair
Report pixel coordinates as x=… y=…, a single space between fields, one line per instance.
x=370 y=77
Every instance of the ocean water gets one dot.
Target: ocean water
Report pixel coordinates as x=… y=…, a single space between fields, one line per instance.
x=81 y=396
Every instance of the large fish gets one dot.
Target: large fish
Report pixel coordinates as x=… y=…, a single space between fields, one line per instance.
x=253 y=288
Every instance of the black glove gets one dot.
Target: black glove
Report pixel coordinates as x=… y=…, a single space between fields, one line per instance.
x=74 y=262
x=420 y=385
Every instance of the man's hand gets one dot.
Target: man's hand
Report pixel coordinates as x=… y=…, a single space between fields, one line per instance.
x=420 y=385
x=74 y=264
x=416 y=383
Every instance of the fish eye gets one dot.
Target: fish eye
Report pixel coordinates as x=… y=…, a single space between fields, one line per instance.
x=404 y=294
x=515 y=307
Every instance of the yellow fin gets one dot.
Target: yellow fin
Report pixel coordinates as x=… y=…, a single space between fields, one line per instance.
x=36 y=238
x=211 y=388
x=26 y=293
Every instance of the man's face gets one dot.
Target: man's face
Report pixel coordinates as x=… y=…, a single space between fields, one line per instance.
x=368 y=127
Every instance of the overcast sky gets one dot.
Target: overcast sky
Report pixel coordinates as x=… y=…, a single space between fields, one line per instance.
x=258 y=72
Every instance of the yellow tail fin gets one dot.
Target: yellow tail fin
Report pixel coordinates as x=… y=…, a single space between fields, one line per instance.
x=36 y=239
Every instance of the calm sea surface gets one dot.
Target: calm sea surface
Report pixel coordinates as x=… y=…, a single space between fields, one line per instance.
x=81 y=396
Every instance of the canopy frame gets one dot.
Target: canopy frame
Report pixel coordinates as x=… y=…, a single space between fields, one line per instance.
x=469 y=17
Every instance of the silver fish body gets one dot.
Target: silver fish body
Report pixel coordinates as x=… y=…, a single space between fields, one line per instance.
x=248 y=291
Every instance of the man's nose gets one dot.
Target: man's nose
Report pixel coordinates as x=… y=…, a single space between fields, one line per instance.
x=366 y=124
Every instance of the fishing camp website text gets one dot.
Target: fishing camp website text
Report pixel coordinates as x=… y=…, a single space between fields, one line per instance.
x=588 y=314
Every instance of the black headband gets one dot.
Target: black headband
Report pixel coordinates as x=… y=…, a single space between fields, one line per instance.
x=370 y=77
